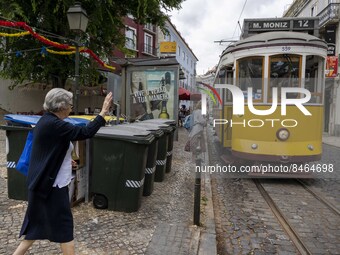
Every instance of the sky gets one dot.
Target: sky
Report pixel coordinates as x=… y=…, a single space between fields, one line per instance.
x=202 y=22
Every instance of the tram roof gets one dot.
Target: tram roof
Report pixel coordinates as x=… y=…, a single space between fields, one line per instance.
x=275 y=38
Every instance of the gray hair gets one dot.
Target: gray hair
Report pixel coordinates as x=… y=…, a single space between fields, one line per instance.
x=57 y=99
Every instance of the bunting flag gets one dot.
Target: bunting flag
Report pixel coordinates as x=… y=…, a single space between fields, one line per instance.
x=43 y=51
x=18 y=54
x=213 y=90
x=209 y=93
x=48 y=42
x=61 y=52
x=14 y=34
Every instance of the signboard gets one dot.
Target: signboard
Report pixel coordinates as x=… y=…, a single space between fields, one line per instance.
x=281 y=24
x=331 y=67
x=330 y=38
x=152 y=94
x=168 y=47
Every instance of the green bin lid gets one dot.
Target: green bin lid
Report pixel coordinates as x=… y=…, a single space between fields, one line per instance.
x=133 y=136
x=164 y=127
x=16 y=128
x=161 y=121
x=169 y=122
x=156 y=132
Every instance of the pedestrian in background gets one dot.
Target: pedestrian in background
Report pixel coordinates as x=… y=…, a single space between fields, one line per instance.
x=48 y=215
x=181 y=115
x=196 y=135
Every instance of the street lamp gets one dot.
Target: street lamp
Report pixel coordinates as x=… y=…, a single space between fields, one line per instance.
x=181 y=74
x=77 y=21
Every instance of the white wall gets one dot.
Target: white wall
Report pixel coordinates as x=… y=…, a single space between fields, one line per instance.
x=31 y=100
x=188 y=64
x=335 y=128
x=334 y=117
x=20 y=100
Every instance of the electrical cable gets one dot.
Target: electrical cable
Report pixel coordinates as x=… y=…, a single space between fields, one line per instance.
x=238 y=21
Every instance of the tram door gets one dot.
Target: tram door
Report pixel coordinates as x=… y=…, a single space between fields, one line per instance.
x=228 y=110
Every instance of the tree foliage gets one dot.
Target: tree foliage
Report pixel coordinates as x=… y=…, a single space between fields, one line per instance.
x=21 y=58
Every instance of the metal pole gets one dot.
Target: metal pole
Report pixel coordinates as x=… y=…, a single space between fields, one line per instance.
x=76 y=76
x=197 y=194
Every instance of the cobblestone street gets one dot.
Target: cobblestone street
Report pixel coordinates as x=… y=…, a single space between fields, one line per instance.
x=243 y=220
x=107 y=232
x=245 y=224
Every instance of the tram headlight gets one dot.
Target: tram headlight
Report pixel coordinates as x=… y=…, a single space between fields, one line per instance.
x=282 y=134
x=254 y=146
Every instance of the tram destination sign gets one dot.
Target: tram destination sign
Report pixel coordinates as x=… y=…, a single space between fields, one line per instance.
x=272 y=25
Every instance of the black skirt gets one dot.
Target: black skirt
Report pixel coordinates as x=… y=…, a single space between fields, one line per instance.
x=49 y=218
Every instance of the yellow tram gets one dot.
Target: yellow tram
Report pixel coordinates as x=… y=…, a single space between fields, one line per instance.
x=275 y=71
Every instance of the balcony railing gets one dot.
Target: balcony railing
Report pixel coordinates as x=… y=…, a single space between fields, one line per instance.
x=330 y=14
x=149 y=27
x=148 y=49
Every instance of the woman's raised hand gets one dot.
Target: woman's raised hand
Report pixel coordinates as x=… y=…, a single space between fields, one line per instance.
x=106 y=104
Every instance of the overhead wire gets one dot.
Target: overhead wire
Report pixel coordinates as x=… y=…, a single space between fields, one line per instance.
x=237 y=25
x=238 y=21
x=22 y=51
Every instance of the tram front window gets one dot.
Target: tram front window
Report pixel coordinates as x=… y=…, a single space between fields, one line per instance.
x=314 y=81
x=284 y=72
x=250 y=74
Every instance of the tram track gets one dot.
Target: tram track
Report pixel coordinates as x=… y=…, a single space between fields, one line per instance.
x=291 y=232
x=300 y=241
x=320 y=197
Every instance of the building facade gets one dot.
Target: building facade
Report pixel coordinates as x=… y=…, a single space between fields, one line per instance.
x=328 y=12
x=140 y=42
x=184 y=55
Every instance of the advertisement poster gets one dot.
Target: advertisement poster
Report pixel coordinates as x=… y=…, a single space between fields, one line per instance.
x=152 y=94
x=331 y=67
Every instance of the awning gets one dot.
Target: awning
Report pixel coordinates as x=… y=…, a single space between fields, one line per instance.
x=183 y=94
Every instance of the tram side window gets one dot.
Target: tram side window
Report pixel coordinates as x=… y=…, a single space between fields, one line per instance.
x=284 y=72
x=220 y=79
x=221 y=76
x=250 y=74
x=225 y=76
x=314 y=78
x=230 y=80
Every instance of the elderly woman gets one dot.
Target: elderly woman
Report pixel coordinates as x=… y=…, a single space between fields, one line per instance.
x=48 y=214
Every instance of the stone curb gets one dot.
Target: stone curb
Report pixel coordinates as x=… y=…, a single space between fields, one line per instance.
x=208 y=244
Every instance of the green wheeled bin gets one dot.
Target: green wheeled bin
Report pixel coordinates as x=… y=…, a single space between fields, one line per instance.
x=170 y=149
x=162 y=149
x=118 y=161
x=171 y=136
x=150 y=167
x=15 y=143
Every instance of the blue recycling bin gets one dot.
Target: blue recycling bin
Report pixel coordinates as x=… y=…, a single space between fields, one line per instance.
x=17 y=129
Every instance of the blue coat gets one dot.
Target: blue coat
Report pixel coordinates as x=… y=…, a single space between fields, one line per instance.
x=51 y=141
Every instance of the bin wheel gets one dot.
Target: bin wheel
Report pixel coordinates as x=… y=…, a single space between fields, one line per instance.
x=100 y=201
